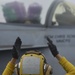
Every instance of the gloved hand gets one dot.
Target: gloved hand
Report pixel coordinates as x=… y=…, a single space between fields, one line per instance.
x=16 y=48
x=52 y=47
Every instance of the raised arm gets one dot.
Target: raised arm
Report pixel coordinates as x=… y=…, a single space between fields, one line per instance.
x=15 y=54
x=68 y=67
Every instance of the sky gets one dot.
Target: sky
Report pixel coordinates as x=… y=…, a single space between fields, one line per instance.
x=44 y=3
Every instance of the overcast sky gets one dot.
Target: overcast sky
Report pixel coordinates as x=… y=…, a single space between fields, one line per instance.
x=44 y=3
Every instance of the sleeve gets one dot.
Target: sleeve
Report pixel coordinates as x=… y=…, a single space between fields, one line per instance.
x=9 y=69
x=68 y=67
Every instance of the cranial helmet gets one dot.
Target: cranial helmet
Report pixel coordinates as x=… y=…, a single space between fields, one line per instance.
x=33 y=63
x=34 y=11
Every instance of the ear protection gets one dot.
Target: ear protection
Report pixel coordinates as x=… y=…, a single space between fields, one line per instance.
x=17 y=67
x=47 y=69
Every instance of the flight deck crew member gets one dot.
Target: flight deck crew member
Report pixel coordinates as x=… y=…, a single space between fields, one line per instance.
x=31 y=63
x=30 y=60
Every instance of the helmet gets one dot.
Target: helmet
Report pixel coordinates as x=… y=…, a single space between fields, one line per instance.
x=34 y=11
x=33 y=63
